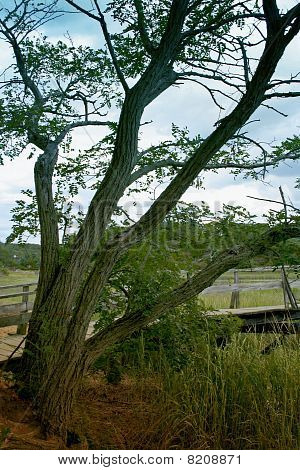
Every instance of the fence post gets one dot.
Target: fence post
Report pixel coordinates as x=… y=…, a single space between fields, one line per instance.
x=285 y=297
x=289 y=297
x=22 y=328
x=235 y=296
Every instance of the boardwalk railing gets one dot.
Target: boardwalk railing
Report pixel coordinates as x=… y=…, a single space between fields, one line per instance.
x=17 y=313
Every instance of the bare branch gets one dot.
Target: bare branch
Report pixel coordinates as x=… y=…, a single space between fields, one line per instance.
x=289 y=94
x=245 y=61
x=169 y=162
x=284 y=204
x=100 y=19
x=275 y=202
x=74 y=125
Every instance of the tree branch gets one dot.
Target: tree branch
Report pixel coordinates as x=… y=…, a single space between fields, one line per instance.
x=289 y=94
x=274 y=202
x=74 y=125
x=135 y=320
x=100 y=19
x=272 y=16
x=226 y=129
x=142 y=27
x=213 y=27
x=169 y=162
x=28 y=82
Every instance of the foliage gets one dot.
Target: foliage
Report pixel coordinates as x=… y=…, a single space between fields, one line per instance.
x=25 y=256
x=70 y=78
x=171 y=341
x=77 y=172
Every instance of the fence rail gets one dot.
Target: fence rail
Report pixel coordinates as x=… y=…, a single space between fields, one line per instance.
x=19 y=313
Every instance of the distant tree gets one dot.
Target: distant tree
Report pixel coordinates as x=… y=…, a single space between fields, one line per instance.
x=231 y=49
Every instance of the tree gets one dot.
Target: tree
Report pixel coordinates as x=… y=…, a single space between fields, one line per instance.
x=158 y=44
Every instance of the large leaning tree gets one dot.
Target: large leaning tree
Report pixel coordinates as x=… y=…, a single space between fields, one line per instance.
x=231 y=49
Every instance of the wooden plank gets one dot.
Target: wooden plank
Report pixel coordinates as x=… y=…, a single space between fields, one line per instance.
x=242 y=287
x=22 y=328
x=18 y=285
x=9 y=343
x=12 y=341
x=251 y=310
x=10 y=319
x=248 y=287
x=5 y=353
x=6 y=347
x=16 y=308
x=263 y=269
x=16 y=294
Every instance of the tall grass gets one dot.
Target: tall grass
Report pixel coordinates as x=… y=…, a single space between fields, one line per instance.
x=234 y=398
x=247 y=299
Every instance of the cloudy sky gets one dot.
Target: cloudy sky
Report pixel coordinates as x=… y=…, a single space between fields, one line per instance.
x=187 y=106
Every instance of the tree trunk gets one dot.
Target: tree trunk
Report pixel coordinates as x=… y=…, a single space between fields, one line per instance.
x=56 y=355
x=56 y=397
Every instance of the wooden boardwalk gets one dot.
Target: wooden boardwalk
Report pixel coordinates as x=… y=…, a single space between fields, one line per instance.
x=256 y=319
x=279 y=318
x=10 y=342
x=247 y=310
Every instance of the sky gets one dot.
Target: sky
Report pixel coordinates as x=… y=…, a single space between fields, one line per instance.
x=187 y=105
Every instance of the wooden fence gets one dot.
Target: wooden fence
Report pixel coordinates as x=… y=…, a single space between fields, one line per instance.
x=237 y=286
x=19 y=313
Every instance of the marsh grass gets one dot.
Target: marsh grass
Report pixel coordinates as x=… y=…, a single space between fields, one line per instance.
x=247 y=299
x=234 y=398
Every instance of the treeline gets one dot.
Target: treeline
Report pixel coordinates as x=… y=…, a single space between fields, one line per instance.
x=181 y=241
x=23 y=256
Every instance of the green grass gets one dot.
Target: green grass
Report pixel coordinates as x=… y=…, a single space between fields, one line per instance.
x=248 y=298
x=254 y=276
x=12 y=278
x=234 y=398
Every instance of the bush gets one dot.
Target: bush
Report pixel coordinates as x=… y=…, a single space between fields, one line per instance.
x=171 y=340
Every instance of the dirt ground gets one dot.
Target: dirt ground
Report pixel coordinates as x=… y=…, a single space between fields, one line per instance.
x=105 y=417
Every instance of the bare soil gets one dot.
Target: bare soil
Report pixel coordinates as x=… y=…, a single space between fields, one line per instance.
x=105 y=417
